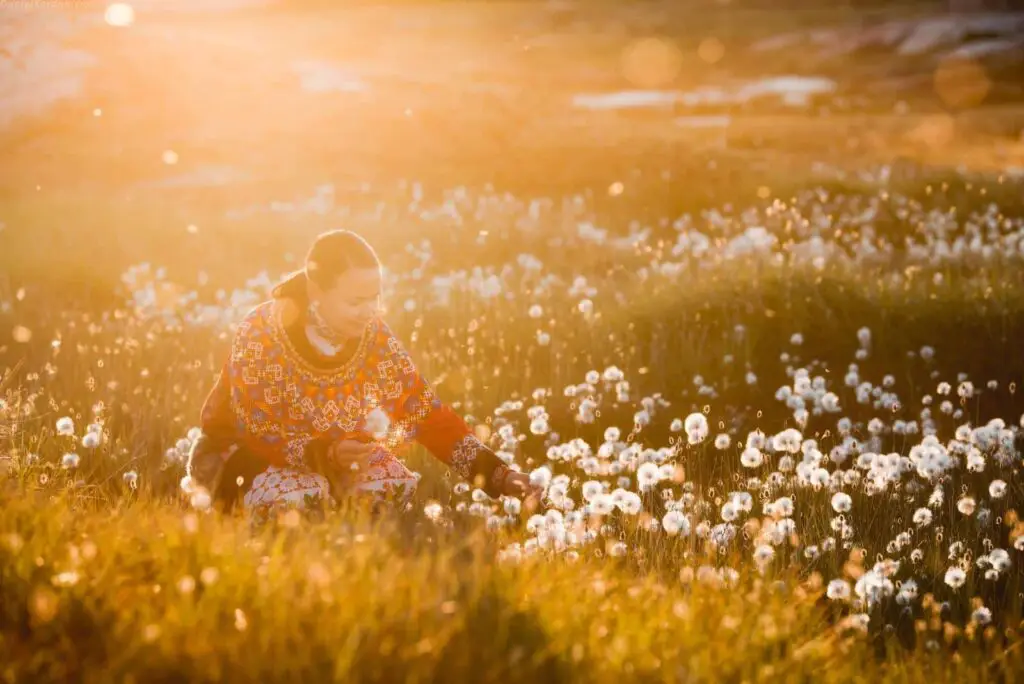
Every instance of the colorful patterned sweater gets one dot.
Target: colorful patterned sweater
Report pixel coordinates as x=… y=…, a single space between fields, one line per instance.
x=279 y=399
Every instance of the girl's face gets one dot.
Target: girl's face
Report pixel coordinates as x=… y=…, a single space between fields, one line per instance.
x=352 y=302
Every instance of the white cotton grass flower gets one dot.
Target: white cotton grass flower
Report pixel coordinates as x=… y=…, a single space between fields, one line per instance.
x=66 y=427
x=981 y=616
x=730 y=511
x=751 y=458
x=756 y=439
x=613 y=374
x=841 y=502
x=838 y=590
x=535 y=523
x=722 y=441
x=630 y=503
x=907 y=593
x=591 y=489
x=743 y=500
x=92 y=440
x=618 y=549
x=696 y=426
x=676 y=523
x=816 y=478
x=830 y=402
x=647 y=476
x=788 y=441
x=763 y=556
x=539 y=426
x=201 y=499
x=131 y=478
x=377 y=423
x=955 y=577
x=70 y=460
x=677 y=424
x=541 y=477
x=966 y=505
x=874 y=585
x=999 y=559
x=433 y=510
x=997 y=489
x=922 y=517
x=783 y=507
x=602 y=504
x=864 y=336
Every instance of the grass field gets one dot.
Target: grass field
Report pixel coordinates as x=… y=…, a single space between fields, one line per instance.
x=771 y=387
x=103 y=572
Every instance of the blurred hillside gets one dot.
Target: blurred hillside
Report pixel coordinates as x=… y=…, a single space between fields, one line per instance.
x=119 y=132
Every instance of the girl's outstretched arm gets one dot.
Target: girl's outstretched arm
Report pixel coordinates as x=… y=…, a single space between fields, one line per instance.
x=420 y=414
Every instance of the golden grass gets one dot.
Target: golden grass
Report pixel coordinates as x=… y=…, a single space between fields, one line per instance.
x=149 y=591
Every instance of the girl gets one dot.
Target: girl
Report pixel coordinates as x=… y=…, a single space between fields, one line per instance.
x=318 y=394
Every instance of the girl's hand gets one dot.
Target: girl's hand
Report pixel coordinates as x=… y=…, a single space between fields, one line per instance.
x=518 y=485
x=349 y=454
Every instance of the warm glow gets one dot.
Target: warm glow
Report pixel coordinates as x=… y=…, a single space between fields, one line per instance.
x=511 y=340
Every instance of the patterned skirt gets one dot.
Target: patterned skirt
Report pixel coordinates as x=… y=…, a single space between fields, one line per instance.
x=386 y=479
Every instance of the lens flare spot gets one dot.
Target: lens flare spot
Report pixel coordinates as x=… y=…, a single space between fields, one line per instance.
x=119 y=14
x=961 y=82
x=651 y=62
x=711 y=50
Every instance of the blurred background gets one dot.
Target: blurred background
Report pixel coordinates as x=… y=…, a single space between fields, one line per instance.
x=219 y=135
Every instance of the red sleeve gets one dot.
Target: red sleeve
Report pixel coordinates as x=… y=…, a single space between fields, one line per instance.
x=256 y=406
x=419 y=414
x=445 y=435
x=219 y=424
x=422 y=416
x=216 y=419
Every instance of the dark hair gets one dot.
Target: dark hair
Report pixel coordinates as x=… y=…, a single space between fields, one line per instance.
x=331 y=254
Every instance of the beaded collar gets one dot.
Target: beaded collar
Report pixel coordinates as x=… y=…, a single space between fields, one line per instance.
x=313 y=371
